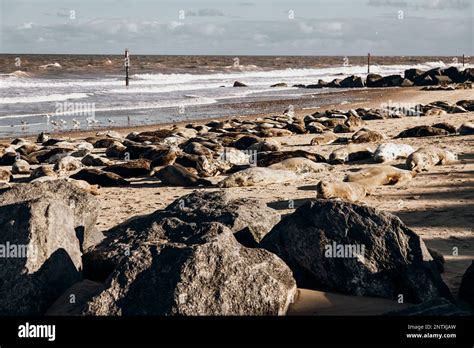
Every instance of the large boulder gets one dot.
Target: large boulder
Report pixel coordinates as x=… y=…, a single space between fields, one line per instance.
x=355 y=250
x=352 y=82
x=468 y=74
x=372 y=80
x=72 y=301
x=212 y=275
x=40 y=255
x=412 y=74
x=454 y=74
x=466 y=290
x=435 y=307
x=85 y=206
x=248 y=219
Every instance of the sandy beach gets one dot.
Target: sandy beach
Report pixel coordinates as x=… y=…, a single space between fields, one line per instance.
x=437 y=205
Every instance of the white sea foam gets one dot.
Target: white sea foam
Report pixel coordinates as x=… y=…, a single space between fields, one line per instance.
x=43 y=98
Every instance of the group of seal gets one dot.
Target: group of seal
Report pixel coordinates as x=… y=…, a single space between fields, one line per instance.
x=243 y=151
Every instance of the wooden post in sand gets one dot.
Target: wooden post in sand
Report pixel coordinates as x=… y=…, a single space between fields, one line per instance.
x=368 y=63
x=463 y=60
x=127 y=66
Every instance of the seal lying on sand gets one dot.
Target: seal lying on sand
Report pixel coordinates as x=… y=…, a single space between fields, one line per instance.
x=350 y=153
x=422 y=131
x=366 y=135
x=347 y=191
x=466 y=128
x=391 y=151
x=324 y=139
x=427 y=157
x=275 y=157
x=177 y=175
x=380 y=175
x=257 y=176
x=98 y=177
x=300 y=165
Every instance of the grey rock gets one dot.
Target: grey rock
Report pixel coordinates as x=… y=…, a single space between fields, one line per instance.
x=50 y=261
x=383 y=257
x=213 y=276
x=182 y=220
x=84 y=205
x=82 y=292
x=466 y=290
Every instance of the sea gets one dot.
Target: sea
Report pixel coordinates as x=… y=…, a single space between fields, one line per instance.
x=55 y=93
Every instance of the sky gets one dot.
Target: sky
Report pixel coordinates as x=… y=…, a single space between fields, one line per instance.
x=240 y=27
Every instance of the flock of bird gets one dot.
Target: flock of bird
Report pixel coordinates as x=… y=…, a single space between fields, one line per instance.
x=63 y=124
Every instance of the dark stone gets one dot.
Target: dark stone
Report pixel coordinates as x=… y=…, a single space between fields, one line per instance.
x=212 y=275
x=394 y=260
x=412 y=74
x=372 y=80
x=85 y=206
x=466 y=290
x=51 y=259
x=352 y=82
x=239 y=84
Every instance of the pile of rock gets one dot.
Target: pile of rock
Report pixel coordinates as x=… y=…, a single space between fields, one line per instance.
x=412 y=77
x=205 y=254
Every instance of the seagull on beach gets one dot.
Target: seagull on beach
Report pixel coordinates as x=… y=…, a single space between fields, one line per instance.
x=110 y=121
x=76 y=123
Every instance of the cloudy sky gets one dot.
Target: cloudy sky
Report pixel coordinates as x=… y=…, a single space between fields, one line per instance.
x=238 y=27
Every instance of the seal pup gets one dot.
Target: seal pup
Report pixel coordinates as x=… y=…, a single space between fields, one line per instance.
x=177 y=175
x=390 y=151
x=347 y=191
x=425 y=158
x=379 y=176
x=257 y=176
x=351 y=153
